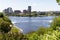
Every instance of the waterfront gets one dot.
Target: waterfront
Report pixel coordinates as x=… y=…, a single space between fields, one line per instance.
x=28 y=24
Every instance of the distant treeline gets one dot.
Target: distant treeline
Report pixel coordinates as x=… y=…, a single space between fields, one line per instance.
x=34 y=14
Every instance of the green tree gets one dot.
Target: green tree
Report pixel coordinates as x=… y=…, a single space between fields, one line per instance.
x=58 y=1
x=56 y=23
x=1 y=15
x=5 y=26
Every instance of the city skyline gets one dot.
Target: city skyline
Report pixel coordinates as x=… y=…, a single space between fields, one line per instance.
x=37 y=5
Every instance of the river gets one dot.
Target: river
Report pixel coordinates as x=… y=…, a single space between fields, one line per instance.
x=28 y=24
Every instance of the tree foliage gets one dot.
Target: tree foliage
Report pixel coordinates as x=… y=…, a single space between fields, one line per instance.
x=58 y=1
x=4 y=23
x=56 y=23
x=5 y=26
x=6 y=31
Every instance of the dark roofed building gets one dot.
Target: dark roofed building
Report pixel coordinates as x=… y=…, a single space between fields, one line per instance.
x=42 y=13
x=17 y=11
x=25 y=11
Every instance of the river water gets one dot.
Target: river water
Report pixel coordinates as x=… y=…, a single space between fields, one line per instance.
x=28 y=24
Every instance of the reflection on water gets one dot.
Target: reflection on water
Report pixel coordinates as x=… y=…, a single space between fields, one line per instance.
x=28 y=24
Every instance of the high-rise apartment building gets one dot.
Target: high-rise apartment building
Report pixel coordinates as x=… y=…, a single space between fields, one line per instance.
x=8 y=10
x=29 y=9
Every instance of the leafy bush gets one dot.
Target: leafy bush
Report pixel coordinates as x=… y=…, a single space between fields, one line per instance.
x=1 y=15
x=5 y=18
x=43 y=30
x=4 y=23
x=55 y=23
x=5 y=26
x=7 y=32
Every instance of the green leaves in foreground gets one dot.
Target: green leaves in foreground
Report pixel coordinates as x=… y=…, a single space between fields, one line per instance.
x=56 y=23
x=7 y=31
x=58 y=1
x=5 y=27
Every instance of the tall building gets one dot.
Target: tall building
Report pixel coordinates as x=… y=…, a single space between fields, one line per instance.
x=17 y=11
x=29 y=9
x=5 y=10
x=8 y=10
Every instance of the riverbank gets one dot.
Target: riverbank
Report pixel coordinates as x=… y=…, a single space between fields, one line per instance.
x=7 y=31
x=17 y=28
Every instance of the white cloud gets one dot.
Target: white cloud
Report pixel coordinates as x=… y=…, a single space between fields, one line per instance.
x=34 y=4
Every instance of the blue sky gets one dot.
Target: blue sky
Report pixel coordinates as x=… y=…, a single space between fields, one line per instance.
x=37 y=5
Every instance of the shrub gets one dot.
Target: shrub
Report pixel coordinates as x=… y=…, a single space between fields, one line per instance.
x=7 y=32
x=1 y=15
x=42 y=30
x=5 y=26
x=5 y=18
x=55 y=23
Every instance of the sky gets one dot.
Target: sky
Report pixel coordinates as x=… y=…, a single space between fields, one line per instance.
x=37 y=5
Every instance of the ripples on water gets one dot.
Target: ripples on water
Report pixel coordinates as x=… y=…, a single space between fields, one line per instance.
x=28 y=24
